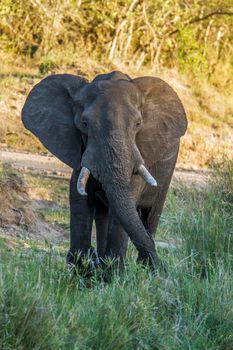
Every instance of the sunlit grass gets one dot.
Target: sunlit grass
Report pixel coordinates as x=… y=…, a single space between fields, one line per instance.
x=57 y=216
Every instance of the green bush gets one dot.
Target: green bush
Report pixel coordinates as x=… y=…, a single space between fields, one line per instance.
x=48 y=65
x=155 y=33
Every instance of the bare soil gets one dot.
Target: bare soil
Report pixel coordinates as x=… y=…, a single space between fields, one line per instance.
x=51 y=166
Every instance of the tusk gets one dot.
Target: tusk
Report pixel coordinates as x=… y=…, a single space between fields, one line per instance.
x=144 y=173
x=82 y=181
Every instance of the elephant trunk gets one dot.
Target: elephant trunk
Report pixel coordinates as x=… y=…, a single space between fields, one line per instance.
x=123 y=205
x=115 y=172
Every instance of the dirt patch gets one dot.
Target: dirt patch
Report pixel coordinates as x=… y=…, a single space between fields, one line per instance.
x=53 y=167
x=37 y=207
x=18 y=213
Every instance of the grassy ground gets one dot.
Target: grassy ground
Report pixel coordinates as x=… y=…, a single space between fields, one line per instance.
x=52 y=197
x=43 y=306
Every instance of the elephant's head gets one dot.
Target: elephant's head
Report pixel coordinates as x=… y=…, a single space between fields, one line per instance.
x=112 y=127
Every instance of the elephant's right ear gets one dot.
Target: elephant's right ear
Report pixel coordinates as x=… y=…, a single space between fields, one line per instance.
x=49 y=113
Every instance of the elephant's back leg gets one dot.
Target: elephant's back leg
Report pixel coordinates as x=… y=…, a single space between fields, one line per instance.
x=150 y=214
x=163 y=171
x=154 y=213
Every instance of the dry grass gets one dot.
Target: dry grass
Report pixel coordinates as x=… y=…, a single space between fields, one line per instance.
x=15 y=208
x=20 y=213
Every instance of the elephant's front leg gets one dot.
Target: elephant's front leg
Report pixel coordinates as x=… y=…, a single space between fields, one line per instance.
x=81 y=219
x=101 y=222
x=117 y=241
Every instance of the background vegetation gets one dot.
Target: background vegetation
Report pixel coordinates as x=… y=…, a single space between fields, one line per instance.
x=171 y=33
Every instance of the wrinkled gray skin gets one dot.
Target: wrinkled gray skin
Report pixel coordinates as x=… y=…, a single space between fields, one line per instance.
x=111 y=126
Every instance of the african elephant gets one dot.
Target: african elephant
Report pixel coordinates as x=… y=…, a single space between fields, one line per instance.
x=121 y=138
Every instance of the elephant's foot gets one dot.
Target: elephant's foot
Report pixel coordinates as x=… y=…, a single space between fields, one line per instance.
x=152 y=260
x=83 y=264
x=148 y=260
x=111 y=266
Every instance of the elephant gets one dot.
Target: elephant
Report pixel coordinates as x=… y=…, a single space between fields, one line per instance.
x=121 y=137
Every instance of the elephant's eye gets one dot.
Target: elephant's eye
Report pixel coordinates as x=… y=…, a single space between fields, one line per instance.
x=84 y=123
x=138 y=123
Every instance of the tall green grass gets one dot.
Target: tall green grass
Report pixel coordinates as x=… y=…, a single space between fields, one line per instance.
x=203 y=219
x=43 y=306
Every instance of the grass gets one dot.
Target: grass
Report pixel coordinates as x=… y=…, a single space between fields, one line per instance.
x=53 y=193
x=202 y=224
x=44 y=306
x=57 y=216
x=50 y=189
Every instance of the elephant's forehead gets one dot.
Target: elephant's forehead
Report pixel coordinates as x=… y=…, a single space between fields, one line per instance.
x=119 y=89
x=88 y=91
x=115 y=91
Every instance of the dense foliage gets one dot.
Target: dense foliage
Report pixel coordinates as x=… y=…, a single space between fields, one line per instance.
x=158 y=33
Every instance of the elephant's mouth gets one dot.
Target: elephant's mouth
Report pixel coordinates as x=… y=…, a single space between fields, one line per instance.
x=85 y=174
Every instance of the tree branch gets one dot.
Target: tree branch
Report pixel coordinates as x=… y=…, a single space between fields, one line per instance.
x=199 y=19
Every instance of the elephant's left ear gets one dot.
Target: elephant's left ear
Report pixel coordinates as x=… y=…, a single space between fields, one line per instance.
x=49 y=112
x=164 y=119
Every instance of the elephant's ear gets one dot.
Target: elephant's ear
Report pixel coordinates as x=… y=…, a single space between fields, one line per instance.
x=49 y=113
x=164 y=119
